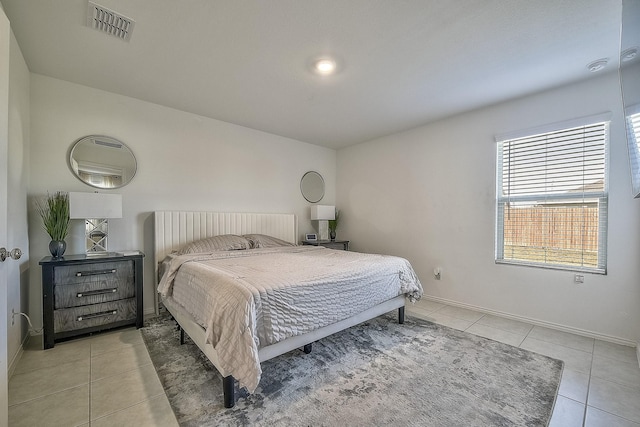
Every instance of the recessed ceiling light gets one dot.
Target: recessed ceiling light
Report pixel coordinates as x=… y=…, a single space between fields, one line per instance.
x=598 y=64
x=629 y=54
x=324 y=66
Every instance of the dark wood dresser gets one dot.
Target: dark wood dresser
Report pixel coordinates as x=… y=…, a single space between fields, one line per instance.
x=83 y=294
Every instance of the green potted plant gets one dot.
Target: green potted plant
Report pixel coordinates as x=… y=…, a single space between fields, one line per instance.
x=333 y=224
x=54 y=211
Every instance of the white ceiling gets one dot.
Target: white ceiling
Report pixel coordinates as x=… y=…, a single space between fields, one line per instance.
x=403 y=62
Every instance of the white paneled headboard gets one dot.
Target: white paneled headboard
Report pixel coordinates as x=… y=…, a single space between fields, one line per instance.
x=175 y=228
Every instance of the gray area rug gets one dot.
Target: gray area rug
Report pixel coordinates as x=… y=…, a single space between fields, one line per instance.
x=376 y=373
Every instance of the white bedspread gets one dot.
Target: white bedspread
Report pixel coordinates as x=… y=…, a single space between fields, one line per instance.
x=253 y=298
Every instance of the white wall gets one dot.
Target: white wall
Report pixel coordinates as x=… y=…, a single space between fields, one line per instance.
x=429 y=195
x=17 y=184
x=184 y=162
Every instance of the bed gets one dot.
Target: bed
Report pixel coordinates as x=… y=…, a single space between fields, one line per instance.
x=256 y=294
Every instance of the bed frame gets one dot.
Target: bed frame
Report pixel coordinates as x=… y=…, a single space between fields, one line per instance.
x=175 y=228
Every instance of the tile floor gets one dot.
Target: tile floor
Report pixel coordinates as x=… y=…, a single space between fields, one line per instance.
x=109 y=380
x=104 y=380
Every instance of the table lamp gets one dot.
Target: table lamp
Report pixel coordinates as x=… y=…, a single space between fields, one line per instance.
x=322 y=214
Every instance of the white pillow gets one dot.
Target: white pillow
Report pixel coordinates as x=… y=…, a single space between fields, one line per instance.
x=224 y=242
x=264 y=241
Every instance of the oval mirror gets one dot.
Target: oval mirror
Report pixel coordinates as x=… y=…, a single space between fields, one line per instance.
x=312 y=186
x=102 y=162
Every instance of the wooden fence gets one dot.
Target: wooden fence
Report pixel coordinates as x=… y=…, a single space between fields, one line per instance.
x=552 y=226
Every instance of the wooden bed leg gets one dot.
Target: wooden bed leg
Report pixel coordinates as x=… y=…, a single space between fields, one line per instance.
x=401 y=315
x=229 y=390
x=181 y=336
x=307 y=348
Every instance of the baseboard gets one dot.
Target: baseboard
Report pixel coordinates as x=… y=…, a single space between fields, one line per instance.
x=550 y=325
x=16 y=358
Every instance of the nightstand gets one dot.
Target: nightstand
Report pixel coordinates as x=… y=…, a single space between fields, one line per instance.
x=331 y=244
x=83 y=294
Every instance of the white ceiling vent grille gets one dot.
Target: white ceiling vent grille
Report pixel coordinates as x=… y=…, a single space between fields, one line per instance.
x=108 y=21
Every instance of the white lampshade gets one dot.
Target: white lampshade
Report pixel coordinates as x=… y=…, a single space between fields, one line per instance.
x=323 y=212
x=95 y=205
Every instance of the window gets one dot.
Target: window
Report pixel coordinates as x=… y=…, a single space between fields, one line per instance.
x=633 y=139
x=552 y=198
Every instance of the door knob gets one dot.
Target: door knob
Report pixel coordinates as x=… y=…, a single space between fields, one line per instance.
x=14 y=253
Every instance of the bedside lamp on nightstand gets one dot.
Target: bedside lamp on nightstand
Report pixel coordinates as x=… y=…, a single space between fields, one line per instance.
x=322 y=214
x=95 y=209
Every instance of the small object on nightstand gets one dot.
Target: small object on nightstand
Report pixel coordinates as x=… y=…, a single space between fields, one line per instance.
x=128 y=253
x=82 y=295
x=331 y=244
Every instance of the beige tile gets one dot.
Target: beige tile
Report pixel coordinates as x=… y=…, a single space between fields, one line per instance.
x=122 y=360
x=35 y=358
x=123 y=390
x=115 y=340
x=615 y=351
x=567 y=413
x=616 y=371
x=442 y=319
x=417 y=311
x=461 y=313
x=598 y=418
x=496 y=334
x=426 y=305
x=513 y=326
x=153 y=412
x=34 y=384
x=573 y=359
x=562 y=338
x=614 y=398
x=574 y=385
x=65 y=408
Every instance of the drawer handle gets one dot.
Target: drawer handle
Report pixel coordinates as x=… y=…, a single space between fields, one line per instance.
x=98 y=292
x=94 y=315
x=95 y=273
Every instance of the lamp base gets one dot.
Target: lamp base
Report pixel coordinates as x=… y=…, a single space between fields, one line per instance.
x=323 y=230
x=96 y=234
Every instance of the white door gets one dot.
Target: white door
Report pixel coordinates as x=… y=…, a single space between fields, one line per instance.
x=5 y=33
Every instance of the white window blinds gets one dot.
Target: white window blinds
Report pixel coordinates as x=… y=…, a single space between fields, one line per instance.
x=552 y=199
x=633 y=138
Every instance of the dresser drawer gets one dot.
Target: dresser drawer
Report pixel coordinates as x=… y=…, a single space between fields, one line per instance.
x=70 y=319
x=77 y=285
x=100 y=271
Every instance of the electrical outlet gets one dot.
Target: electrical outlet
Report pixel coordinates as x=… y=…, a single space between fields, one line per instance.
x=578 y=278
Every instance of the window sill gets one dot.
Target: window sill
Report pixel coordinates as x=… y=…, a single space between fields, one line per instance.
x=554 y=267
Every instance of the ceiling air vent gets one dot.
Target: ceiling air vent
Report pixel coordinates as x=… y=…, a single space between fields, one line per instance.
x=108 y=21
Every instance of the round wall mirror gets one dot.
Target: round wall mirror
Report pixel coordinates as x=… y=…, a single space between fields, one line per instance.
x=312 y=186
x=102 y=162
